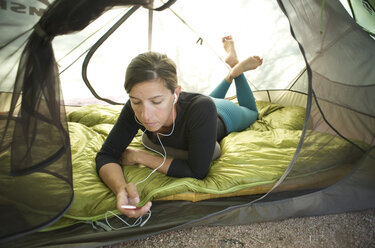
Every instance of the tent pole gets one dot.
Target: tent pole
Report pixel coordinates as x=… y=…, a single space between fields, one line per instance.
x=150 y=22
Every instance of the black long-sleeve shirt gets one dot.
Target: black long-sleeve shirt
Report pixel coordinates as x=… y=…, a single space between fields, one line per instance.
x=197 y=128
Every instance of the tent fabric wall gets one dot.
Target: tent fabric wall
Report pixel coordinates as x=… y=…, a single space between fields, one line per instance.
x=337 y=88
x=343 y=74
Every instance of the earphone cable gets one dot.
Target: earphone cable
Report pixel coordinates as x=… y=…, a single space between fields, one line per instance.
x=138 y=221
x=161 y=144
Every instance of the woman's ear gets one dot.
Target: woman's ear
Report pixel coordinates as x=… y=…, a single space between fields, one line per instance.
x=177 y=91
x=176 y=94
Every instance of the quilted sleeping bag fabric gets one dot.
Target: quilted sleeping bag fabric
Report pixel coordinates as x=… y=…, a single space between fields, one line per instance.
x=251 y=161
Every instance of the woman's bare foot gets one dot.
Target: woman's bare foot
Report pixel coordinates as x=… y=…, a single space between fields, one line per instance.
x=248 y=64
x=228 y=44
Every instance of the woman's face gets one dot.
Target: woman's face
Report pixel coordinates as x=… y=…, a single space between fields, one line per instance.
x=152 y=103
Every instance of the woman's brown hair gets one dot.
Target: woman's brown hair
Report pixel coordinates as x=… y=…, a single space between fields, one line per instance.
x=149 y=66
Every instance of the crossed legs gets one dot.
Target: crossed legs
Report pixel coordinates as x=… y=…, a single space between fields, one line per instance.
x=236 y=117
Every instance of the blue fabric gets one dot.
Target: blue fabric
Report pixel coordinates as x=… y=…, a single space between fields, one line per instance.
x=236 y=117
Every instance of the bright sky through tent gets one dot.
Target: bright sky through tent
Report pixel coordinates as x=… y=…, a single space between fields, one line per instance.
x=178 y=34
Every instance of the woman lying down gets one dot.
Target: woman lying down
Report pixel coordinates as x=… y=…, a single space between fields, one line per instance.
x=189 y=122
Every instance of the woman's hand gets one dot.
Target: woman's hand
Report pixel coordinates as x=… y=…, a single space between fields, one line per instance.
x=129 y=156
x=134 y=156
x=129 y=196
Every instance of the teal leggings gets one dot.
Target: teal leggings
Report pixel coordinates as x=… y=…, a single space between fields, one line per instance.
x=236 y=117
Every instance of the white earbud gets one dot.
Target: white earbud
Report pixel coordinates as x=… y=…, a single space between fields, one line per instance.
x=175 y=98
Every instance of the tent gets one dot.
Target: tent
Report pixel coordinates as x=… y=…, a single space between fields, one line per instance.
x=316 y=56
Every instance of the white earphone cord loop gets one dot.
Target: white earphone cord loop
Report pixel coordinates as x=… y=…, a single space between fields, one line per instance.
x=161 y=144
x=138 y=221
